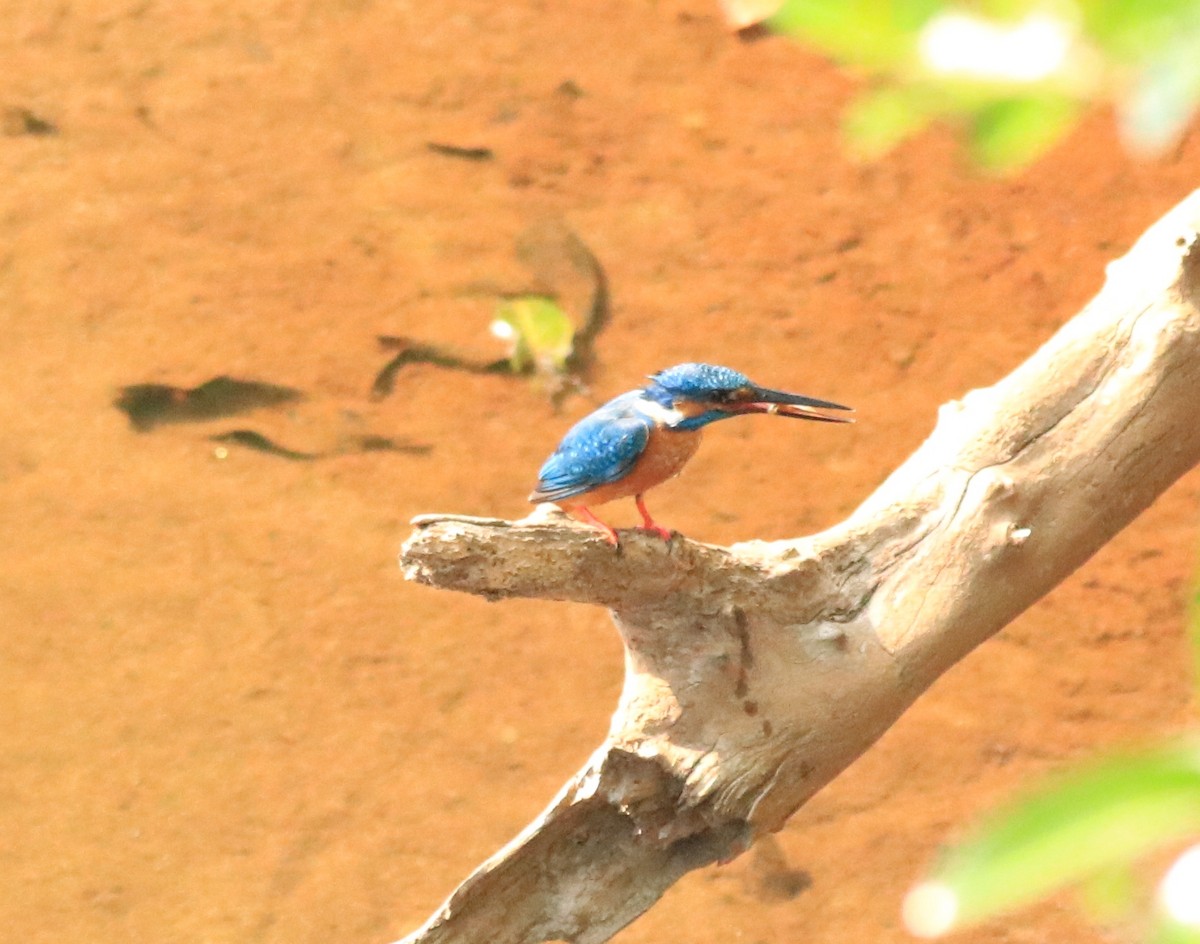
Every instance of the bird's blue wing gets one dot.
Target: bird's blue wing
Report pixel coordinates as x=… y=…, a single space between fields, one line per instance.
x=599 y=449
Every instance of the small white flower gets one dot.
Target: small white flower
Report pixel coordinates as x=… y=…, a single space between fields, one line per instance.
x=503 y=329
x=930 y=909
x=1179 y=891
x=960 y=44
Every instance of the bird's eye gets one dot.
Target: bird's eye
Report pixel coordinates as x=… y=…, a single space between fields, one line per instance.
x=728 y=395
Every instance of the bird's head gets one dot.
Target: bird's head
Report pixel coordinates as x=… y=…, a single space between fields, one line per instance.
x=703 y=393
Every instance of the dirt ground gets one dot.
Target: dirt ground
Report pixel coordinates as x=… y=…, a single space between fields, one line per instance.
x=226 y=716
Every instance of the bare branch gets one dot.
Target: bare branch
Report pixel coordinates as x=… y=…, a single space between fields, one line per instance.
x=756 y=673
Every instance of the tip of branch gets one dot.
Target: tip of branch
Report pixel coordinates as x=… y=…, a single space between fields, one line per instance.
x=424 y=521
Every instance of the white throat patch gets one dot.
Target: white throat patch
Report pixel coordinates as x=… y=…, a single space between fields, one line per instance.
x=662 y=415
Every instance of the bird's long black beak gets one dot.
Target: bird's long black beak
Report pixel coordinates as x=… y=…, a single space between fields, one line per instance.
x=780 y=403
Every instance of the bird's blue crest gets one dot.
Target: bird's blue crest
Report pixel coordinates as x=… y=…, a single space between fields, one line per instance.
x=697 y=381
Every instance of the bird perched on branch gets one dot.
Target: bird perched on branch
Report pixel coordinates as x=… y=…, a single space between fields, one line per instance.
x=644 y=437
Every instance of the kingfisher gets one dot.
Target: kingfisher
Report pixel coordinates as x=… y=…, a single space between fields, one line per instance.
x=644 y=437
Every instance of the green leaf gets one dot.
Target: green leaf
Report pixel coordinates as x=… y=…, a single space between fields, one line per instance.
x=877 y=34
x=878 y=121
x=1093 y=820
x=1007 y=11
x=1013 y=132
x=1171 y=932
x=1109 y=894
x=813 y=19
x=1165 y=97
x=1134 y=32
x=539 y=333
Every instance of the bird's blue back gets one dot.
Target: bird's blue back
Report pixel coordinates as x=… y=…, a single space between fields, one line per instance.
x=599 y=449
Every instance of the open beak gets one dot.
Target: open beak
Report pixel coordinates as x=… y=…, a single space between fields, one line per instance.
x=792 y=404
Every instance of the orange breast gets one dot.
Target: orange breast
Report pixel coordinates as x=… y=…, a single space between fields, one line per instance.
x=665 y=455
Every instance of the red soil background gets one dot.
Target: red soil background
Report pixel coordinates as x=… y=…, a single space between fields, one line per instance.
x=226 y=716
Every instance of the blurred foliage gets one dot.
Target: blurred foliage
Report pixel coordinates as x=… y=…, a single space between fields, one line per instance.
x=1014 y=74
x=539 y=334
x=1090 y=829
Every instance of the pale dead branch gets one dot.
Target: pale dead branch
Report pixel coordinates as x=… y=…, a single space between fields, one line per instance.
x=755 y=673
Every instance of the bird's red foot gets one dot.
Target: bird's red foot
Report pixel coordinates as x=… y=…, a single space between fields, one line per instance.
x=583 y=514
x=649 y=524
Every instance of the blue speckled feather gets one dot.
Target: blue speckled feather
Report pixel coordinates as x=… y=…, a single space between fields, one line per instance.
x=601 y=448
